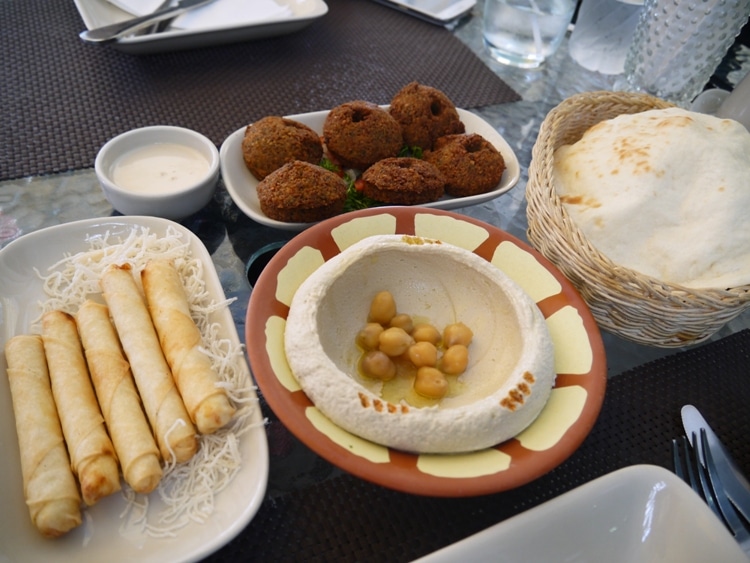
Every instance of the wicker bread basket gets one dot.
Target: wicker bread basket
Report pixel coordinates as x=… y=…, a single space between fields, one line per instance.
x=631 y=305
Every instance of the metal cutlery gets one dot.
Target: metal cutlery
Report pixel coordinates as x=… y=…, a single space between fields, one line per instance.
x=705 y=481
x=114 y=31
x=734 y=482
x=158 y=27
x=688 y=467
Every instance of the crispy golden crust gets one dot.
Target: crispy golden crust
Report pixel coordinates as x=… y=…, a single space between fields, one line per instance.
x=118 y=398
x=300 y=192
x=174 y=431
x=92 y=455
x=425 y=114
x=271 y=142
x=207 y=402
x=359 y=133
x=49 y=486
x=403 y=181
x=470 y=163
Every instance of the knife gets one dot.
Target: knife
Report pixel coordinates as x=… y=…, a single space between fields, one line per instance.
x=735 y=484
x=114 y=31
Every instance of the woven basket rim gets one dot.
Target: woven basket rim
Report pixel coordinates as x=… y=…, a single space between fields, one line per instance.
x=635 y=306
x=542 y=149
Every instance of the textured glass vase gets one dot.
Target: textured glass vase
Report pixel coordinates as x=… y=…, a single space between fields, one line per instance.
x=678 y=44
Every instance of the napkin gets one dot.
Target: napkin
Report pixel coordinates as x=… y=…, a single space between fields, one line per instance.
x=220 y=13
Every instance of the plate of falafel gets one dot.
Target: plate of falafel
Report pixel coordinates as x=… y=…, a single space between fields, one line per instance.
x=294 y=171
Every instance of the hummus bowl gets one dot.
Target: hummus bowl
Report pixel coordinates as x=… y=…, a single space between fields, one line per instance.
x=565 y=419
x=502 y=390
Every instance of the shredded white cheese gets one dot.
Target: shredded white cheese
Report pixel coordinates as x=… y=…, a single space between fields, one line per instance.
x=187 y=491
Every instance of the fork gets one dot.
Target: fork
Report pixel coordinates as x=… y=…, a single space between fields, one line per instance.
x=705 y=481
x=163 y=24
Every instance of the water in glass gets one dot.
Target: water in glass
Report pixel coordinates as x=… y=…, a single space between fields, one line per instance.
x=524 y=33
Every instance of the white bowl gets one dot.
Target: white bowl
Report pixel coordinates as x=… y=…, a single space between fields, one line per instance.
x=149 y=190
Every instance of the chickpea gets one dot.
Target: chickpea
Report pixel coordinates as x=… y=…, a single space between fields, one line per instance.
x=423 y=354
x=404 y=321
x=431 y=383
x=377 y=365
x=425 y=332
x=394 y=341
x=367 y=338
x=455 y=360
x=382 y=308
x=457 y=333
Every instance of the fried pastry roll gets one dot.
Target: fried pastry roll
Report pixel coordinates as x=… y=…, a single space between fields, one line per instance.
x=118 y=398
x=170 y=422
x=49 y=485
x=180 y=339
x=92 y=454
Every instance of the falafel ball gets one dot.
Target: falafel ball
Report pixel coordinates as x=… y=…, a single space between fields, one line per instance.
x=424 y=113
x=470 y=163
x=272 y=141
x=300 y=192
x=403 y=181
x=359 y=133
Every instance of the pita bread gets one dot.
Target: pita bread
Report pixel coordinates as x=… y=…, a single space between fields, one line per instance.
x=665 y=193
x=511 y=369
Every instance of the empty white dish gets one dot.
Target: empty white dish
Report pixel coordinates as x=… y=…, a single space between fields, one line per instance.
x=641 y=513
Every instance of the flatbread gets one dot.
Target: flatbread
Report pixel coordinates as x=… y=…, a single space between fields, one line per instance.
x=665 y=193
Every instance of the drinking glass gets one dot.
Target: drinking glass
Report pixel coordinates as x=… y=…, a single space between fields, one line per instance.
x=524 y=33
x=603 y=32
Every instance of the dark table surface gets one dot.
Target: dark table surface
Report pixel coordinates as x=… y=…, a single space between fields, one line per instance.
x=313 y=510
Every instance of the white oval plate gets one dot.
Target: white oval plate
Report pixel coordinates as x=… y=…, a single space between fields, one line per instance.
x=99 y=538
x=241 y=184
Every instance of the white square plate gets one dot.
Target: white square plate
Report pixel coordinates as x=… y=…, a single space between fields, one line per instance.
x=98 y=13
x=441 y=12
x=640 y=513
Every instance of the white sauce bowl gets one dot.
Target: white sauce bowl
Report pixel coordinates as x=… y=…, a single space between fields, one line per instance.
x=162 y=171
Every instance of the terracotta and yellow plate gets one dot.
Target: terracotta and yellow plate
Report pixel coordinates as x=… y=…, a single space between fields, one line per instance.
x=562 y=425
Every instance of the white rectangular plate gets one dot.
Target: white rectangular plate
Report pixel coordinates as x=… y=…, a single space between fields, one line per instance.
x=440 y=12
x=98 y=538
x=640 y=513
x=241 y=184
x=98 y=13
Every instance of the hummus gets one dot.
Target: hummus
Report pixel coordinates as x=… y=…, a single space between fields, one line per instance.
x=511 y=369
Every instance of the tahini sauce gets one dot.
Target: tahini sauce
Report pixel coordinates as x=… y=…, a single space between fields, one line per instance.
x=159 y=168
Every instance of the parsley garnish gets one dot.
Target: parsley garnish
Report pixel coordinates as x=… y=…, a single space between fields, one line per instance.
x=413 y=152
x=355 y=199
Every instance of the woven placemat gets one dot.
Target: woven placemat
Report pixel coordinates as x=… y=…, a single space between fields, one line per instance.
x=347 y=519
x=62 y=99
